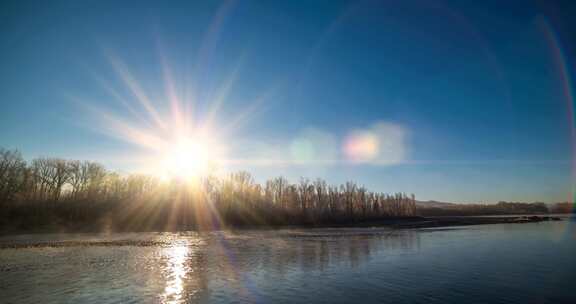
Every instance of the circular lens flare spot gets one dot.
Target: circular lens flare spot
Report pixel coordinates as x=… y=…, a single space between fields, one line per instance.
x=361 y=147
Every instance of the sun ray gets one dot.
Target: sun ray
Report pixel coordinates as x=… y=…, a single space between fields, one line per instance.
x=222 y=95
x=136 y=90
x=249 y=111
x=171 y=92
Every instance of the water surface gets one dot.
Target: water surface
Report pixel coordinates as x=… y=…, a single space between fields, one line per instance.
x=506 y=263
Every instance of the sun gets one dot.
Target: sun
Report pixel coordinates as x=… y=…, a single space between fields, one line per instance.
x=188 y=158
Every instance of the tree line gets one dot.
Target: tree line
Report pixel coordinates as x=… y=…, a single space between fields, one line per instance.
x=501 y=208
x=48 y=192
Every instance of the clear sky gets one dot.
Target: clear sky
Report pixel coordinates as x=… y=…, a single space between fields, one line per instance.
x=465 y=101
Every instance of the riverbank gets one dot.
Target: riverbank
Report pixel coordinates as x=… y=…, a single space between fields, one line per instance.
x=394 y=222
x=447 y=221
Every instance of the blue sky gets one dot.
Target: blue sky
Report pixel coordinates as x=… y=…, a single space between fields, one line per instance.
x=466 y=100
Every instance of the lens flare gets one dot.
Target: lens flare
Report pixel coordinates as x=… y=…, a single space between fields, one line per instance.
x=559 y=58
x=361 y=147
x=383 y=143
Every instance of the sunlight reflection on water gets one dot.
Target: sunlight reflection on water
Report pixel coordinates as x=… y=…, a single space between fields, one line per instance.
x=175 y=272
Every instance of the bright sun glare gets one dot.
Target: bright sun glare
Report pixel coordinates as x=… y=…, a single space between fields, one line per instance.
x=187 y=158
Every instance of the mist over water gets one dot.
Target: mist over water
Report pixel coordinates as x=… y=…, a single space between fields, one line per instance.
x=522 y=263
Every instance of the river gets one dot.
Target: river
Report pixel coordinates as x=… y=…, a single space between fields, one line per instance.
x=502 y=263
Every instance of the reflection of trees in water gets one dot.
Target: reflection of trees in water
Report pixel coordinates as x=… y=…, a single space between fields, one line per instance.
x=230 y=262
x=350 y=250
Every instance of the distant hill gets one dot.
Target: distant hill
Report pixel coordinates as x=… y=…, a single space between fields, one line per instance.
x=435 y=208
x=434 y=204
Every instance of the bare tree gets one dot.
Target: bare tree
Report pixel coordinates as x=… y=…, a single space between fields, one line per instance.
x=12 y=174
x=236 y=198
